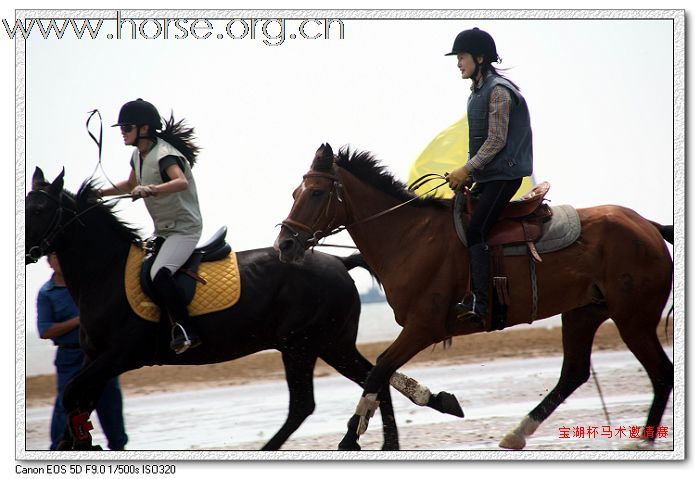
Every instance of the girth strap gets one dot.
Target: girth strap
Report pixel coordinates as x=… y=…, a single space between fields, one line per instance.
x=500 y=297
x=535 y=294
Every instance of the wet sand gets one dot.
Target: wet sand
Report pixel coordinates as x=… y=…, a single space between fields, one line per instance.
x=521 y=343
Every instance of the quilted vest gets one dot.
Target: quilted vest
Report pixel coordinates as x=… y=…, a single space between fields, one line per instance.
x=172 y=212
x=515 y=159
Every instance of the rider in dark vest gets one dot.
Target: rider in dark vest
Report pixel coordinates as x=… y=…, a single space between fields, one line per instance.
x=161 y=174
x=500 y=154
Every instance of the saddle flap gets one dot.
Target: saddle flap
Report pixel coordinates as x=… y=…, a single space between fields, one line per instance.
x=214 y=249
x=514 y=231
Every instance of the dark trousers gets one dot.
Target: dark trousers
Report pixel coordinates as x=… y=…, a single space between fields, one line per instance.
x=493 y=197
x=109 y=408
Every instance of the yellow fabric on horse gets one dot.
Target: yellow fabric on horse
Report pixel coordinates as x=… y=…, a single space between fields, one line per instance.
x=223 y=288
x=448 y=150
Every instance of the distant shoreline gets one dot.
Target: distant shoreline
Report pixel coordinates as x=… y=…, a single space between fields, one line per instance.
x=373 y=295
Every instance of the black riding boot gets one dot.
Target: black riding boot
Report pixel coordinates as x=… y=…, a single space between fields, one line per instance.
x=480 y=263
x=170 y=297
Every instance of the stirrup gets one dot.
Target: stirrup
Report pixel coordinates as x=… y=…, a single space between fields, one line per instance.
x=181 y=347
x=466 y=313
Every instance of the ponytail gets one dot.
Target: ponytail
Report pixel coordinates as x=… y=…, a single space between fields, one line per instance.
x=497 y=71
x=181 y=137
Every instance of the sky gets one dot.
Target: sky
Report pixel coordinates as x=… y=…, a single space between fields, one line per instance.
x=600 y=93
x=602 y=123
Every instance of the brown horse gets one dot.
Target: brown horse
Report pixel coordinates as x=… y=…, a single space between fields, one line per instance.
x=618 y=268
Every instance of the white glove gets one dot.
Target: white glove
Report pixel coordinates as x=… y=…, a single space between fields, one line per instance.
x=143 y=191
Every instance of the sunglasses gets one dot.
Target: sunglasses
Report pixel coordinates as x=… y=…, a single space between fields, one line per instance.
x=127 y=128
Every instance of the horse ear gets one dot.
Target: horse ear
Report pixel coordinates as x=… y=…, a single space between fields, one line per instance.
x=57 y=185
x=323 y=159
x=327 y=152
x=38 y=179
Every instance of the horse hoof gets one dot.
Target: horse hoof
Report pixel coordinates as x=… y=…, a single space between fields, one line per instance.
x=447 y=403
x=390 y=447
x=349 y=445
x=85 y=446
x=512 y=441
x=64 y=445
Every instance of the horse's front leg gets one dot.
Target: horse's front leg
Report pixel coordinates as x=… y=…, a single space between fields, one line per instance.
x=79 y=405
x=82 y=394
x=408 y=344
x=77 y=436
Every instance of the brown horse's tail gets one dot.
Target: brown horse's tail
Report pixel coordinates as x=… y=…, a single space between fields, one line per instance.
x=665 y=230
x=667 y=233
x=356 y=260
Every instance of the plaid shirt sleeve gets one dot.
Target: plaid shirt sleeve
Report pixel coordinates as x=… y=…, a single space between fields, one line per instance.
x=499 y=115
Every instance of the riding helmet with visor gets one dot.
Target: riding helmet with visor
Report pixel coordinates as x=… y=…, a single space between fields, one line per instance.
x=139 y=112
x=475 y=42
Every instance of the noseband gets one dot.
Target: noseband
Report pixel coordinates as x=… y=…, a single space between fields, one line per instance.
x=317 y=234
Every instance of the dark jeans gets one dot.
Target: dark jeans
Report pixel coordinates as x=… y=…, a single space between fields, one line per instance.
x=494 y=196
x=109 y=408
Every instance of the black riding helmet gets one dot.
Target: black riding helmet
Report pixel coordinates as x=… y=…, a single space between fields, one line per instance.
x=475 y=42
x=139 y=112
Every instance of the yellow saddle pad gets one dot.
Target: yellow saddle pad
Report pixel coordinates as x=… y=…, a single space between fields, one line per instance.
x=223 y=288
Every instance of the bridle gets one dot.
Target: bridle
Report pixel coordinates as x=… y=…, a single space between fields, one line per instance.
x=317 y=234
x=336 y=187
x=52 y=230
x=57 y=226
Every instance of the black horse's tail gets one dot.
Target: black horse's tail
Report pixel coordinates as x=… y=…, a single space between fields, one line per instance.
x=667 y=232
x=356 y=260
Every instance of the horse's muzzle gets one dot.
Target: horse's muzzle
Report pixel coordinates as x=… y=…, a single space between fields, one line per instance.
x=285 y=248
x=33 y=255
x=290 y=249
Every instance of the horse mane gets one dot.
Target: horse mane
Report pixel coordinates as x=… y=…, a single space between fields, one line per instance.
x=88 y=198
x=367 y=168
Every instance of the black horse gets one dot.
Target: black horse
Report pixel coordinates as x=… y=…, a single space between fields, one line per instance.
x=306 y=311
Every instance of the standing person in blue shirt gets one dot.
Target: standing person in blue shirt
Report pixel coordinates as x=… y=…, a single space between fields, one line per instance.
x=58 y=319
x=500 y=154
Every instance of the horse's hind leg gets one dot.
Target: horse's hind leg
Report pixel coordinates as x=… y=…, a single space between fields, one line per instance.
x=299 y=370
x=351 y=364
x=578 y=330
x=644 y=343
